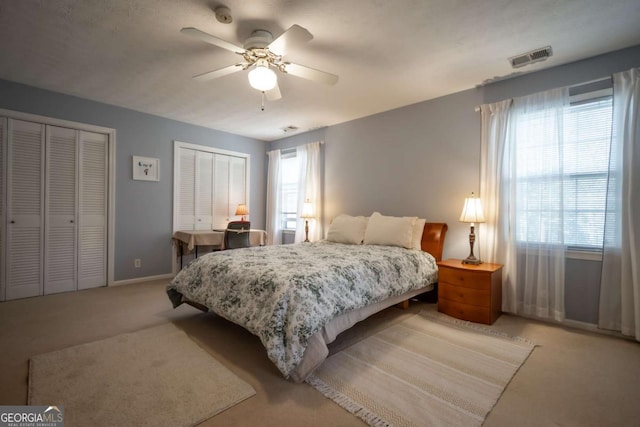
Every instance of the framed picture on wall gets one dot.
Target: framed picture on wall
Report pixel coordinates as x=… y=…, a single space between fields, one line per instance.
x=146 y=168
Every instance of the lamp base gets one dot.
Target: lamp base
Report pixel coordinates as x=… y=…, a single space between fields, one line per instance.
x=472 y=260
x=306 y=230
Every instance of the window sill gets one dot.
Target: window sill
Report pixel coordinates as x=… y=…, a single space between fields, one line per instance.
x=572 y=253
x=584 y=255
x=288 y=231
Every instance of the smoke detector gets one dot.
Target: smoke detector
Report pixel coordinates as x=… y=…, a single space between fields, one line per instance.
x=531 y=57
x=289 y=128
x=223 y=15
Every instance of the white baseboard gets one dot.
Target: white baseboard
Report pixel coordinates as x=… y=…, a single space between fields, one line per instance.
x=581 y=325
x=593 y=328
x=577 y=324
x=143 y=279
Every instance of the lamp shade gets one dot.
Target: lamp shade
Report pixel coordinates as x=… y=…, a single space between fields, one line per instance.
x=262 y=77
x=307 y=210
x=472 y=210
x=242 y=209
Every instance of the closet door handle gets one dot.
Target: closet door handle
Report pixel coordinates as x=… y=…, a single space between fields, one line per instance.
x=71 y=221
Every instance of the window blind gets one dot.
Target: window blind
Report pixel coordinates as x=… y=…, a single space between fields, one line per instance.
x=563 y=168
x=289 y=169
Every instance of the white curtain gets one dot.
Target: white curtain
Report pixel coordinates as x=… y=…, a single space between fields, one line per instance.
x=620 y=281
x=537 y=239
x=494 y=193
x=521 y=183
x=309 y=189
x=274 y=190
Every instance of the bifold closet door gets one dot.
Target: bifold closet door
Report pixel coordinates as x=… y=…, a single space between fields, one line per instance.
x=25 y=209
x=237 y=186
x=53 y=188
x=92 y=218
x=196 y=190
x=187 y=189
x=75 y=227
x=221 y=215
x=204 y=191
x=60 y=256
x=229 y=189
x=208 y=188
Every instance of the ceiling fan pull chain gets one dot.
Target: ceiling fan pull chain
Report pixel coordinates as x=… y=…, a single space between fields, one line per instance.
x=262 y=109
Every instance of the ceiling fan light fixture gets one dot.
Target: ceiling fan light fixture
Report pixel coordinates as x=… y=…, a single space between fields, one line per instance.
x=262 y=77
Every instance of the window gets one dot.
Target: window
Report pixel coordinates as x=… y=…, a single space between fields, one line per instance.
x=289 y=202
x=563 y=185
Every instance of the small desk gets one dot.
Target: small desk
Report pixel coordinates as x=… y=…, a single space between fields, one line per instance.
x=191 y=239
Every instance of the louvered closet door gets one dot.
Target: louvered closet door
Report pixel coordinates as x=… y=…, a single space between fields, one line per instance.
x=92 y=219
x=229 y=188
x=60 y=261
x=187 y=197
x=237 y=176
x=208 y=187
x=221 y=214
x=25 y=209
x=204 y=191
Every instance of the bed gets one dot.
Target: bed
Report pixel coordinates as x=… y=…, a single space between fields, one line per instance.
x=298 y=298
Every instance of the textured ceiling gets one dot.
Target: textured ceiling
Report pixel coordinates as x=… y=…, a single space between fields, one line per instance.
x=388 y=54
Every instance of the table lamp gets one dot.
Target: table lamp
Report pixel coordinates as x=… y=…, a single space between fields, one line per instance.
x=307 y=214
x=472 y=213
x=242 y=210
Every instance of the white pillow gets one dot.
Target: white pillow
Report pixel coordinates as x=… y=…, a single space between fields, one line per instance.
x=418 y=229
x=347 y=229
x=390 y=231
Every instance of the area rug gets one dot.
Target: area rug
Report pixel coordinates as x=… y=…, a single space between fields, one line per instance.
x=429 y=370
x=153 y=377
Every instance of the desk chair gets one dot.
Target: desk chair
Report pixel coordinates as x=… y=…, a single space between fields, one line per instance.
x=236 y=235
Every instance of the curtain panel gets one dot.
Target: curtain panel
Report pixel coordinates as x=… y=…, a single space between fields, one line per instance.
x=619 y=308
x=521 y=162
x=493 y=242
x=309 y=189
x=274 y=190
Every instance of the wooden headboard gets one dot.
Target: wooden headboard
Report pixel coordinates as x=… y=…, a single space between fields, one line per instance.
x=433 y=238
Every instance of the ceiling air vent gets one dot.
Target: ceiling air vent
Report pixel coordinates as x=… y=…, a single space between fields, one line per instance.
x=531 y=57
x=289 y=128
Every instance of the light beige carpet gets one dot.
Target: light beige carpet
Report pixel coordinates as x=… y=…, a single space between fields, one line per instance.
x=153 y=377
x=429 y=370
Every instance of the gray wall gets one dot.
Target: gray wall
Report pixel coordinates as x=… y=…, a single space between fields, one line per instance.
x=417 y=160
x=143 y=209
x=423 y=160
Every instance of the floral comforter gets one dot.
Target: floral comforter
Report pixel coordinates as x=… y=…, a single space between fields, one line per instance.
x=286 y=293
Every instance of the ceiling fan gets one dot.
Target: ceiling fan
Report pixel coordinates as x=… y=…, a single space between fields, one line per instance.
x=262 y=55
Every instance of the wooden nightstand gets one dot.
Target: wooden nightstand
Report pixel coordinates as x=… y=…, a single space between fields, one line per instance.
x=470 y=292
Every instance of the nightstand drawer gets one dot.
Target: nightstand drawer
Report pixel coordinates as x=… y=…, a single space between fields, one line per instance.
x=463 y=311
x=481 y=297
x=466 y=278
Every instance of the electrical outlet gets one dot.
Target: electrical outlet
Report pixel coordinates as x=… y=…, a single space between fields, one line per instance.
x=137 y=262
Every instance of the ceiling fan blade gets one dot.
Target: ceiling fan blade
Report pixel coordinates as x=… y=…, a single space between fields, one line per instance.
x=210 y=75
x=273 y=94
x=311 y=74
x=194 y=32
x=296 y=36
